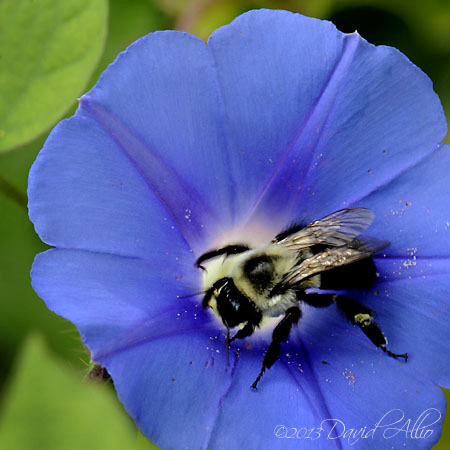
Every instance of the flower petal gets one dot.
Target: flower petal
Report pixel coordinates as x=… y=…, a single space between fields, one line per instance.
x=320 y=114
x=413 y=210
x=272 y=67
x=324 y=390
x=174 y=399
x=361 y=384
x=411 y=304
x=147 y=143
x=119 y=302
x=412 y=294
x=131 y=318
x=255 y=419
x=84 y=193
x=161 y=104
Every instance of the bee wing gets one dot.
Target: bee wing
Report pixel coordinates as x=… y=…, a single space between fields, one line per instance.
x=333 y=257
x=335 y=230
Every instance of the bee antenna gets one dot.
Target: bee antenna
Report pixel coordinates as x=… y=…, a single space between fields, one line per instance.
x=192 y=295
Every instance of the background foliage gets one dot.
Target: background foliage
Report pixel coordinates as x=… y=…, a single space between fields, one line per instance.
x=53 y=51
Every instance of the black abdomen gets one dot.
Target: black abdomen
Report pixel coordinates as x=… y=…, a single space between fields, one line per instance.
x=358 y=275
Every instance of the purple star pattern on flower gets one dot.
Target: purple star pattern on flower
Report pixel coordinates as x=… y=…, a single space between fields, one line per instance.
x=182 y=147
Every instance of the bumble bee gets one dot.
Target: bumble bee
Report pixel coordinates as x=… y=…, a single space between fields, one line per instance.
x=274 y=279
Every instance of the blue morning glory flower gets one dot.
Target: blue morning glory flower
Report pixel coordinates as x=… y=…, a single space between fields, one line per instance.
x=182 y=147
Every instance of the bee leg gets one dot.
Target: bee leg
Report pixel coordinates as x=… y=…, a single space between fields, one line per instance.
x=362 y=316
x=318 y=300
x=227 y=251
x=228 y=346
x=245 y=331
x=207 y=297
x=279 y=335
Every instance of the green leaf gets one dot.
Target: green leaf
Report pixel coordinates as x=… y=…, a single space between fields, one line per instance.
x=21 y=309
x=48 y=50
x=48 y=407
